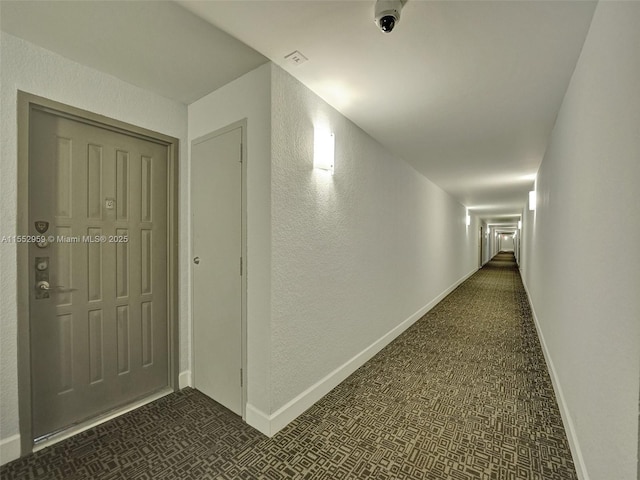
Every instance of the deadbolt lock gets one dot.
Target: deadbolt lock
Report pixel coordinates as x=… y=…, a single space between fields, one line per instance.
x=42 y=277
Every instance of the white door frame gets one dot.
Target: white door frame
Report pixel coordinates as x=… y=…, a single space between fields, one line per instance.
x=242 y=124
x=27 y=102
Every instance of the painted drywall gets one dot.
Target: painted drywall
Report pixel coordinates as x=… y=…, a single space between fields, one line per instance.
x=354 y=254
x=518 y=243
x=486 y=243
x=506 y=243
x=249 y=97
x=492 y=244
x=584 y=290
x=38 y=71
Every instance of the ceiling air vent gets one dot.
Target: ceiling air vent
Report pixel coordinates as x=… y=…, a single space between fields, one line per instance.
x=295 y=58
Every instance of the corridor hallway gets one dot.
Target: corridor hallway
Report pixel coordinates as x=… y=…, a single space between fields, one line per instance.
x=462 y=394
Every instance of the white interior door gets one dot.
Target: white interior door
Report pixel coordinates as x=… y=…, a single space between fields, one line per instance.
x=216 y=205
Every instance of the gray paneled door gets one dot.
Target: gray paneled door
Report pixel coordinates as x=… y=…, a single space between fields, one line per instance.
x=99 y=336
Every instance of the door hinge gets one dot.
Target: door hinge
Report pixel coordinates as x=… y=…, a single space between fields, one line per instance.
x=241 y=377
x=241 y=151
x=240 y=266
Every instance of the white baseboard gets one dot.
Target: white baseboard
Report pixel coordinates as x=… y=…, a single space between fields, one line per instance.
x=9 y=449
x=572 y=437
x=258 y=420
x=184 y=379
x=272 y=424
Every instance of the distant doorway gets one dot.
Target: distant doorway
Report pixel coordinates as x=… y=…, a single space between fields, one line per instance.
x=480 y=247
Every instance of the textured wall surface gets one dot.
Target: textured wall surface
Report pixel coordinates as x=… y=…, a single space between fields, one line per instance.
x=35 y=70
x=249 y=97
x=585 y=288
x=354 y=254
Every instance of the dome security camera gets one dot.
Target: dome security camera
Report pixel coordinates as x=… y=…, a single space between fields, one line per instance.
x=387 y=14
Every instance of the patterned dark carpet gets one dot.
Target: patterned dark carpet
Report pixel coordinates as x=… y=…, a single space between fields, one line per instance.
x=463 y=394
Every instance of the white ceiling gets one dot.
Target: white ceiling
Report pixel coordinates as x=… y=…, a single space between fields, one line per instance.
x=465 y=91
x=158 y=46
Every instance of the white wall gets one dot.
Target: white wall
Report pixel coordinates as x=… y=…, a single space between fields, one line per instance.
x=250 y=97
x=34 y=70
x=354 y=255
x=492 y=244
x=584 y=289
x=487 y=243
x=506 y=243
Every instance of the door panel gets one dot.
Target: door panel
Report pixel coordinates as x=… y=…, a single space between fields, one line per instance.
x=99 y=336
x=216 y=202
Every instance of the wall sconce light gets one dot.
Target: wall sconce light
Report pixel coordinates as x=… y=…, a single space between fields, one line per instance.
x=323 y=150
x=519 y=224
x=532 y=200
x=468 y=220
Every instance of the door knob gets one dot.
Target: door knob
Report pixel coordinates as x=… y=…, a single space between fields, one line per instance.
x=196 y=260
x=42 y=285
